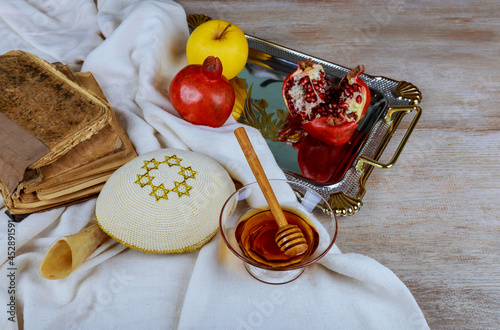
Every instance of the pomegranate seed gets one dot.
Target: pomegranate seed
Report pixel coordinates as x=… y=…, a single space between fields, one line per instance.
x=343 y=105
x=359 y=99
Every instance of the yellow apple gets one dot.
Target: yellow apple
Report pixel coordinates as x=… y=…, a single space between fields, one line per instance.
x=221 y=39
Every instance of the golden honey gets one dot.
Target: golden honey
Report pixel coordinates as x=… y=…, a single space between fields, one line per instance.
x=256 y=234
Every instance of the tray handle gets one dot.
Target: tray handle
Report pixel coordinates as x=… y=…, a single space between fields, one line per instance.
x=389 y=118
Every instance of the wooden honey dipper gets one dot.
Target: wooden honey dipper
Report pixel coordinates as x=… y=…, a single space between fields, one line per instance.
x=289 y=238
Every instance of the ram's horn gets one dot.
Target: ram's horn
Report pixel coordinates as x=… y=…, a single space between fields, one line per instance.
x=69 y=252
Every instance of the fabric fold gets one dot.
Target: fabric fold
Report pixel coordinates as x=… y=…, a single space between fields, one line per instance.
x=351 y=292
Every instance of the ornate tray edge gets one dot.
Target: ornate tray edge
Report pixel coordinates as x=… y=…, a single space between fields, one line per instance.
x=398 y=94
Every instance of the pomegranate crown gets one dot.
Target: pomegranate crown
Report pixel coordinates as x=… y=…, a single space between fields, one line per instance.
x=306 y=65
x=212 y=67
x=354 y=73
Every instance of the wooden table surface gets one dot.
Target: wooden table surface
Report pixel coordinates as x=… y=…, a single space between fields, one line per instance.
x=434 y=218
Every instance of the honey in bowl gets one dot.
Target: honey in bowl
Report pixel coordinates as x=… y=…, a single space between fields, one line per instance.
x=256 y=234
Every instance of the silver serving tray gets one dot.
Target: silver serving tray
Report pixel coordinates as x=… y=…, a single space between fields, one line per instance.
x=268 y=64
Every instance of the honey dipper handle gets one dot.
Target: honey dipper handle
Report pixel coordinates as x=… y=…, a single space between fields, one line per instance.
x=260 y=176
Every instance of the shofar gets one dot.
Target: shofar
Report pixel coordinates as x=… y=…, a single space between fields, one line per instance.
x=69 y=252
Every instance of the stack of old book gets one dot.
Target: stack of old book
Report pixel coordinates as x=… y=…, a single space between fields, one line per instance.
x=59 y=138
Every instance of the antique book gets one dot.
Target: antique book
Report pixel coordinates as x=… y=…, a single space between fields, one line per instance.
x=103 y=152
x=54 y=113
x=81 y=170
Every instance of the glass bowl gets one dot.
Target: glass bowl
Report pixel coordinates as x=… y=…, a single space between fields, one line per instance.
x=296 y=198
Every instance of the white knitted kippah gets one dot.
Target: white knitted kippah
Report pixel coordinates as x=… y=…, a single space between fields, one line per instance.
x=164 y=201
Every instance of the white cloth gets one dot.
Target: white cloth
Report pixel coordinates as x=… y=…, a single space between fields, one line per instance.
x=134 y=48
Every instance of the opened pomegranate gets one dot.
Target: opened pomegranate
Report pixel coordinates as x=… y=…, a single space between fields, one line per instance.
x=307 y=90
x=328 y=114
x=201 y=94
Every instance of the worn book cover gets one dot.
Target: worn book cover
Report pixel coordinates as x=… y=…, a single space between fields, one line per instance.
x=81 y=171
x=51 y=113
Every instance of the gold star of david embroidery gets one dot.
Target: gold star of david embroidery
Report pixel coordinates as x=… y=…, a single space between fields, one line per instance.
x=159 y=192
x=188 y=173
x=181 y=188
x=151 y=164
x=144 y=179
x=173 y=161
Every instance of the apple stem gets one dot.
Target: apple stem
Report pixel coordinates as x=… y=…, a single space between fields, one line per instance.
x=224 y=31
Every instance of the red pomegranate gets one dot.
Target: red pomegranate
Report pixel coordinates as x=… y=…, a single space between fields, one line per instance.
x=328 y=114
x=201 y=94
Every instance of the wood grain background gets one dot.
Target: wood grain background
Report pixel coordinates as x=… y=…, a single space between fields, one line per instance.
x=434 y=218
